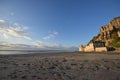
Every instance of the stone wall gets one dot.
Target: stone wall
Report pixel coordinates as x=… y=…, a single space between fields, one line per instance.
x=81 y=48
x=89 y=48
x=101 y=49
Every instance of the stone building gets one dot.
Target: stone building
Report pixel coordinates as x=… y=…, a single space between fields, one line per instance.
x=96 y=46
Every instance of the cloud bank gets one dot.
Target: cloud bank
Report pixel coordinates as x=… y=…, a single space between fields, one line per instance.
x=53 y=46
x=37 y=45
x=16 y=30
x=14 y=46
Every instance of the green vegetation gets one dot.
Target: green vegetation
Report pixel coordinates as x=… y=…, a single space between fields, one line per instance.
x=116 y=42
x=114 y=33
x=95 y=38
x=115 y=38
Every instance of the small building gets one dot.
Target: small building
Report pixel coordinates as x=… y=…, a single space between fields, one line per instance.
x=96 y=46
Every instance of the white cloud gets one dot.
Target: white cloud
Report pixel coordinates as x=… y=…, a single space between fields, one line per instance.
x=5 y=36
x=26 y=37
x=51 y=36
x=2 y=21
x=39 y=44
x=4 y=45
x=19 y=28
x=55 y=33
x=53 y=46
x=16 y=30
x=14 y=46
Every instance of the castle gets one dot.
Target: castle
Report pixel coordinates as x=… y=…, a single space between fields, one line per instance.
x=96 y=46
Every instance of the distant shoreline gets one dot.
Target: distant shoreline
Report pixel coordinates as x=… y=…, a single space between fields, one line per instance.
x=57 y=53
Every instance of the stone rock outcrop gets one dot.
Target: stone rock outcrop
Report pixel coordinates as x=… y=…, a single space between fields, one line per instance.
x=115 y=22
x=107 y=30
x=110 y=34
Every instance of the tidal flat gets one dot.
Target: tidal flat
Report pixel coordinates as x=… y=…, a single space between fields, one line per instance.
x=60 y=66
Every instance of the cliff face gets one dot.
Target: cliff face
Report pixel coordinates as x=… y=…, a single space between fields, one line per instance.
x=110 y=33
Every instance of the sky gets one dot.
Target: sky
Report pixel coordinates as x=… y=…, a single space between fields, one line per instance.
x=53 y=24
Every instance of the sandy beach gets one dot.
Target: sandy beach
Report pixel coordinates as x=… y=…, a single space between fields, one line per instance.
x=60 y=66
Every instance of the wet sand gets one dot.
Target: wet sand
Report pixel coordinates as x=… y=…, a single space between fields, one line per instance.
x=60 y=66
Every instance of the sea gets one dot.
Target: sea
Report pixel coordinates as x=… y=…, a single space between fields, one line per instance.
x=9 y=52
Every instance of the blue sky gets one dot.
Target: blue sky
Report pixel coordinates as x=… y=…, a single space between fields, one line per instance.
x=55 y=22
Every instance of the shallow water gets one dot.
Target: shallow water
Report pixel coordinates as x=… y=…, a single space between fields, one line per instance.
x=8 y=52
